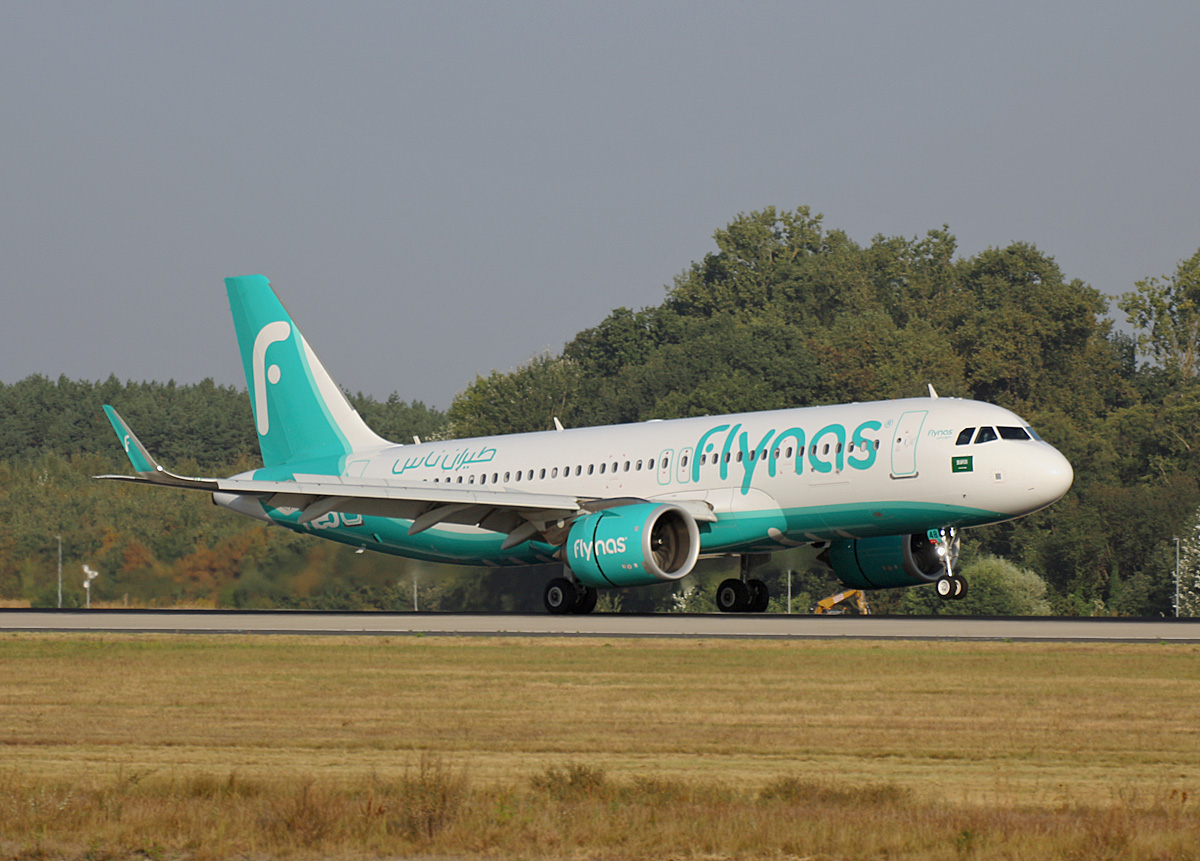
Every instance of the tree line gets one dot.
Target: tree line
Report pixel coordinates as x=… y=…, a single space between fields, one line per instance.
x=784 y=313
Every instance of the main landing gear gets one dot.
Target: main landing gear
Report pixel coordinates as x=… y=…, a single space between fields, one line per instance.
x=950 y=586
x=745 y=595
x=564 y=596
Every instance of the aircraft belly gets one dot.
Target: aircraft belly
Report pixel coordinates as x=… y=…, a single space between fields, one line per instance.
x=744 y=520
x=452 y=543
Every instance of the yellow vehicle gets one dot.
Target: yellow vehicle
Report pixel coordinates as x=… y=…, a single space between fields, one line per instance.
x=826 y=605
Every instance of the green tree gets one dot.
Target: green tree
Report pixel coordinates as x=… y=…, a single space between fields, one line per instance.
x=528 y=399
x=1166 y=313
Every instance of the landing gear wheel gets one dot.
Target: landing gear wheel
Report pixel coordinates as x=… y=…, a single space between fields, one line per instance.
x=760 y=596
x=960 y=588
x=732 y=596
x=560 y=596
x=945 y=587
x=587 y=601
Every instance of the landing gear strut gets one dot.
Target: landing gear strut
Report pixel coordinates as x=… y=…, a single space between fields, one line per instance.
x=745 y=595
x=564 y=596
x=950 y=586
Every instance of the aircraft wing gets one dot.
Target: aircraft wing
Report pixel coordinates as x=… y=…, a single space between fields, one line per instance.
x=519 y=514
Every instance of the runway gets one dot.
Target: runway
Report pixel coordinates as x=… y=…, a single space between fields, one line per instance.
x=744 y=626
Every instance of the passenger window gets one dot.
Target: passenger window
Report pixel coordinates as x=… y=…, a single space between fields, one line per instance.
x=1013 y=433
x=739 y=457
x=602 y=468
x=506 y=478
x=591 y=468
x=627 y=466
x=518 y=476
x=543 y=473
x=964 y=437
x=639 y=466
x=683 y=460
x=483 y=478
x=985 y=435
x=788 y=452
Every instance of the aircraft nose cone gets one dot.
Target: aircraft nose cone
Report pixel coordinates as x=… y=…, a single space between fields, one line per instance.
x=1053 y=476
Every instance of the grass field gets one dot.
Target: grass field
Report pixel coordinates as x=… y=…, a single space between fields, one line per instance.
x=202 y=747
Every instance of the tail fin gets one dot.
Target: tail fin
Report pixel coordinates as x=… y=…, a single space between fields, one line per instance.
x=299 y=411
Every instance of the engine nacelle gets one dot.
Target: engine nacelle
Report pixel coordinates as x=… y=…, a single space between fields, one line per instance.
x=633 y=545
x=886 y=562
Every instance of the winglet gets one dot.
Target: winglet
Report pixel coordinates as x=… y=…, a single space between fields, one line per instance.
x=138 y=456
x=932 y=392
x=147 y=467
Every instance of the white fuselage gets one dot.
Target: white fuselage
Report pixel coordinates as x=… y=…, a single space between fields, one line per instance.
x=773 y=479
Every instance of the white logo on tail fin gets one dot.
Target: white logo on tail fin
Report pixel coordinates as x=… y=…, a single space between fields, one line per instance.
x=269 y=334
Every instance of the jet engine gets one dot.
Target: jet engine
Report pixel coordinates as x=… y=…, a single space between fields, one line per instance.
x=633 y=545
x=885 y=562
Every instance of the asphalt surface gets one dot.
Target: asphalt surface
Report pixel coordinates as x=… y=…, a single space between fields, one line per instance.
x=747 y=626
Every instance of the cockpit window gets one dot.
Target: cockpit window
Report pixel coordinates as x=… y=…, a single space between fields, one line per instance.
x=964 y=437
x=1034 y=434
x=985 y=435
x=1012 y=433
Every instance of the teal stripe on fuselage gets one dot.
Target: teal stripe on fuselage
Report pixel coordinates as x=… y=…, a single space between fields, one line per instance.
x=743 y=531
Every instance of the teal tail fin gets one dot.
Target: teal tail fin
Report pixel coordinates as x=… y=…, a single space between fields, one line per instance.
x=299 y=411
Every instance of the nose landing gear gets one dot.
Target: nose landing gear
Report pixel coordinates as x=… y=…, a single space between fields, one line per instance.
x=950 y=586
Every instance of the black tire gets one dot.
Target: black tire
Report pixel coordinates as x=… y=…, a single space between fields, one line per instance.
x=586 y=602
x=760 y=596
x=733 y=596
x=960 y=588
x=945 y=588
x=560 y=596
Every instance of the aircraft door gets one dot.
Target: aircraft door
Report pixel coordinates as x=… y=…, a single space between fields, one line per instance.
x=904 y=443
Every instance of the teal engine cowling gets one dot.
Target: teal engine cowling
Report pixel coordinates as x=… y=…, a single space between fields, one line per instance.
x=885 y=562
x=633 y=545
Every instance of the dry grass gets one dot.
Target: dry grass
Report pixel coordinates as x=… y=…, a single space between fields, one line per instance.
x=209 y=747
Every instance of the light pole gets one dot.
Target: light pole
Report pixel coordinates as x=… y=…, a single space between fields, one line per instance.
x=60 y=572
x=1176 y=578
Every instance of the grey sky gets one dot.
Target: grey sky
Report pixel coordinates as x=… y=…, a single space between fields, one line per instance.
x=441 y=189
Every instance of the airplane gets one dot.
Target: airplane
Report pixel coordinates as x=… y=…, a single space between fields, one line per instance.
x=876 y=491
